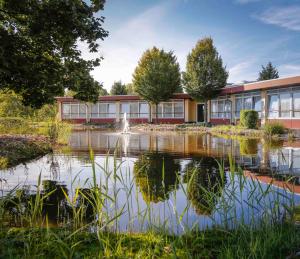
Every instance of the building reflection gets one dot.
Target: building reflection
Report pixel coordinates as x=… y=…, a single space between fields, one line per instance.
x=273 y=158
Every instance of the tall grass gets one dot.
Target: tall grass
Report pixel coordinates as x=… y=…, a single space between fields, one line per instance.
x=247 y=218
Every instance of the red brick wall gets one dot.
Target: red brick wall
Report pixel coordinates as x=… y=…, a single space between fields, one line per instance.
x=103 y=120
x=168 y=120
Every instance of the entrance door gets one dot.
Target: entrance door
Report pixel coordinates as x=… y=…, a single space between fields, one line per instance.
x=200 y=112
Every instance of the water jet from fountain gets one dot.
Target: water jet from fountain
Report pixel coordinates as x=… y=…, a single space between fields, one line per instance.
x=125 y=124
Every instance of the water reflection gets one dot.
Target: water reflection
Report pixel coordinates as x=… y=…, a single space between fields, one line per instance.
x=156 y=175
x=166 y=171
x=205 y=184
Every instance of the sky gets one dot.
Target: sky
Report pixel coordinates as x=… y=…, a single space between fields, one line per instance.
x=246 y=33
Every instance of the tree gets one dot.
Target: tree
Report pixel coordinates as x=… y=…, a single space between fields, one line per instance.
x=157 y=76
x=39 y=48
x=118 y=89
x=129 y=88
x=268 y=72
x=156 y=175
x=205 y=74
x=204 y=184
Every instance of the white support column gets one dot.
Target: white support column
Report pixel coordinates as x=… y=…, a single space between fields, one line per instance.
x=118 y=111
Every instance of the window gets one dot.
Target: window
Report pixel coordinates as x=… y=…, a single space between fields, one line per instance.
x=168 y=110
x=144 y=110
x=221 y=109
x=296 y=101
x=273 y=106
x=285 y=105
x=214 y=109
x=178 y=110
x=171 y=110
x=135 y=109
x=248 y=103
x=66 y=109
x=82 y=110
x=111 y=110
x=238 y=107
x=95 y=111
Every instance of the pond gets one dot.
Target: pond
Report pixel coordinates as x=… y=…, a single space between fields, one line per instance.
x=168 y=180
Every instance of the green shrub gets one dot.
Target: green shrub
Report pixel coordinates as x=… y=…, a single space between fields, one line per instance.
x=273 y=128
x=15 y=126
x=249 y=119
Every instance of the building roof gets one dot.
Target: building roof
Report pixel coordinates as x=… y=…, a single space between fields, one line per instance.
x=121 y=98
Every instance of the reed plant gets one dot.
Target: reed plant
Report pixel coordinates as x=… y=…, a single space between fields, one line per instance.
x=247 y=219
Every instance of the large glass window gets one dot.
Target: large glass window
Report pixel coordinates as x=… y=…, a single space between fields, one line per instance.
x=171 y=110
x=66 y=109
x=285 y=105
x=82 y=110
x=135 y=109
x=178 y=110
x=273 y=106
x=111 y=110
x=214 y=109
x=221 y=109
x=248 y=103
x=296 y=101
x=144 y=110
x=238 y=106
x=95 y=111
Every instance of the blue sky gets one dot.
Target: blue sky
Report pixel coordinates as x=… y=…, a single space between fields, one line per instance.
x=247 y=34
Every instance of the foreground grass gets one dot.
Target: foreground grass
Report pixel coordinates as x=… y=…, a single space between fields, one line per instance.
x=277 y=241
x=18 y=149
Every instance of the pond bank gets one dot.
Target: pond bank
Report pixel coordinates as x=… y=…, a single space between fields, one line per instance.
x=16 y=149
x=278 y=241
x=194 y=128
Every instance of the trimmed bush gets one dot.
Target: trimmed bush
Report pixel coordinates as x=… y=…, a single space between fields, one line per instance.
x=249 y=119
x=273 y=128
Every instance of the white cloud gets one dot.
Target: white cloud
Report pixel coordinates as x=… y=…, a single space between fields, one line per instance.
x=242 y=71
x=289 y=70
x=285 y=17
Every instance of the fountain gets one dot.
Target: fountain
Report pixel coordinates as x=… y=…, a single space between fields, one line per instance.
x=125 y=124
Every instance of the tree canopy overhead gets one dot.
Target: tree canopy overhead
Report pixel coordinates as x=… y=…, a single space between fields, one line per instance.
x=268 y=72
x=205 y=74
x=118 y=88
x=157 y=76
x=39 y=48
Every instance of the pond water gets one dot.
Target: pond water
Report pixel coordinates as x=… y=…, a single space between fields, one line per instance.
x=166 y=179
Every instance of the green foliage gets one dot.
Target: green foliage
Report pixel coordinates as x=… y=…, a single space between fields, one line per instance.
x=157 y=76
x=268 y=72
x=249 y=146
x=205 y=74
x=14 y=151
x=249 y=119
x=11 y=105
x=15 y=125
x=39 y=46
x=130 y=89
x=273 y=128
x=155 y=175
x=118 y=89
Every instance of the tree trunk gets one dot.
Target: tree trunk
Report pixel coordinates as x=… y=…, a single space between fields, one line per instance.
x=156 y=116
x=205 y=112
